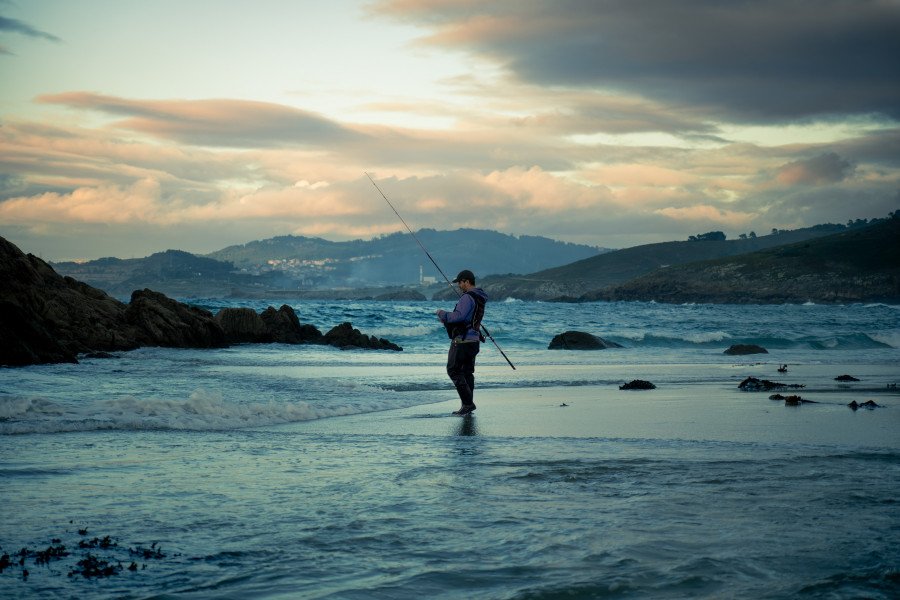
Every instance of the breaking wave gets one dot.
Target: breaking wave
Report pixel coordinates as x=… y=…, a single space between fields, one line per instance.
x=202 y=411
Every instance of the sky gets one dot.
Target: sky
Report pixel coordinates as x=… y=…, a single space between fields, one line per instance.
x=130 y=127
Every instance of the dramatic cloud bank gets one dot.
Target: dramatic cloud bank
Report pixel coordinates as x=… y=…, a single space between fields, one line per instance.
x=610 y=122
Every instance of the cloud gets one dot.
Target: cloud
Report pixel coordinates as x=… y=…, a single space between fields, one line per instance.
x=223 y=123
x=16 y=26
x=823 y=169
x=759 y=60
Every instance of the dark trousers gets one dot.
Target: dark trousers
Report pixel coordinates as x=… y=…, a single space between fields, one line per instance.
x=461 y=369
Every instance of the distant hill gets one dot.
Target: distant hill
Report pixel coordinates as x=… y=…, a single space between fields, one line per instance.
x=395 y=259
x=172 y=272
x=288 y=264
x=580 y=277
x=857 y=265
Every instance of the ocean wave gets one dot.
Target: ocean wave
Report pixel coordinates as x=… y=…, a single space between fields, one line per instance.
x=202 y=411
x=411 y=331
x=889 y=338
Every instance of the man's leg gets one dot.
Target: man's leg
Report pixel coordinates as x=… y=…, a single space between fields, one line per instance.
x=461 y=369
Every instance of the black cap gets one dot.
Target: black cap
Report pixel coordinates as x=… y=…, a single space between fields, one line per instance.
x=465 y=275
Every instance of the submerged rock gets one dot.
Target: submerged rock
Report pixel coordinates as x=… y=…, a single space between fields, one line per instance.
x=637 y=384
x=741 y=349
x=578 y=340
x=845 y=378
x=754 y=384
x=869 y=404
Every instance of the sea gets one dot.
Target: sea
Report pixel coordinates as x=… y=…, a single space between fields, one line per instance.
x=283 y=471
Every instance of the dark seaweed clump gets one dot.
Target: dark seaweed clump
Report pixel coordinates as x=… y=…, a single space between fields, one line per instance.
x=92 y=558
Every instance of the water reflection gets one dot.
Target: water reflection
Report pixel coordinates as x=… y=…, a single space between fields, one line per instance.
x=467 y=427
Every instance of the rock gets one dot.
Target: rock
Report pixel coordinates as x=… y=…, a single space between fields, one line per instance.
x=242 y=326
x=578 y=340
x=792 y=401
x=345 y=336
x=741 y=349
x=776 y=397
x=46 y=318
x=638 y=384
x=284 y=327
x=404 y=295
x=845 y=378
x=162 y=321
x=754 y=384
x=869 y=404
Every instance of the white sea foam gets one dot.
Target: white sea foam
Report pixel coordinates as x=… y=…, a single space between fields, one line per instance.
x=202 y=411
x=708 y=336
x=401 y=332
x=890 y=337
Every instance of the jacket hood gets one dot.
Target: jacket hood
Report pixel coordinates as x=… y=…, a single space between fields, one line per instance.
x=480 y=292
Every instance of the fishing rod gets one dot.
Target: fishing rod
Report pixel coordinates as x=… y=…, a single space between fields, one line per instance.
x=458 y=295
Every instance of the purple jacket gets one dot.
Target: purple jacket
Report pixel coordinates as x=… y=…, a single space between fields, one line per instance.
x=463 y=312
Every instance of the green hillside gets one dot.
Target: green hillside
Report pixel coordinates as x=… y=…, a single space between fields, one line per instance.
x=857 y=265
x=580 y=277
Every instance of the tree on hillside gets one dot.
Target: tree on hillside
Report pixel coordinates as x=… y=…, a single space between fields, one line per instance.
x=712 y=236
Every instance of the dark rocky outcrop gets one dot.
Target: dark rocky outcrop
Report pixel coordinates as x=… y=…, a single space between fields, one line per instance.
x=845 y=378
x=46 y=318
x=242 y=326
x=637 y=384
x=284 y=327
x=161 y=321
x=741 y=349
x=578 y=340
x=344 y=336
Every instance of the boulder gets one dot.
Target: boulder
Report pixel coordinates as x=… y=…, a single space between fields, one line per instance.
x=284 y=327
x=242 y=326
x=161 y=321
x=740 y=349
x=578 y=340
x=845 y=378
x=637 y=384
x=344 y=336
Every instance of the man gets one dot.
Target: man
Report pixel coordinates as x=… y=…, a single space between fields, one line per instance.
x=464 y=328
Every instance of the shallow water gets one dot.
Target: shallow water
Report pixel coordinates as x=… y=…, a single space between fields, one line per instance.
x=274 y=471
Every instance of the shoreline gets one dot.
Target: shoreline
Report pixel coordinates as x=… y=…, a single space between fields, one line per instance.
x=703 y=412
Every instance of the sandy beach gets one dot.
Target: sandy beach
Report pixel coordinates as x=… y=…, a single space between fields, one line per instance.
x=712 y=409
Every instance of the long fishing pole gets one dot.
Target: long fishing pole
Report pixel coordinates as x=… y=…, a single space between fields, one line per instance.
x=458 y=295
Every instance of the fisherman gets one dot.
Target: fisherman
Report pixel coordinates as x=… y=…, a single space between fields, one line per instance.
x=464 y=328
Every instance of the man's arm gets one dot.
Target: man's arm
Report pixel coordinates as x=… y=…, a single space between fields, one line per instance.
x=463 y=312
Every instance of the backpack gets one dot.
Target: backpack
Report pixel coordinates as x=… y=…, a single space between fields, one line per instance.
x=455 y=330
